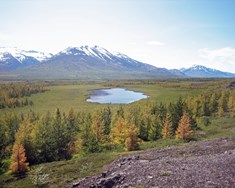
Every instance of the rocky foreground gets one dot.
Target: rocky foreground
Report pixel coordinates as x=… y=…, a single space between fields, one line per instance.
x=198 y=164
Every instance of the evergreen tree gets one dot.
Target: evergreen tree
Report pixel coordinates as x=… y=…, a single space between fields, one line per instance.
x=223 y=102
x=86 y=131
x=12 y=124
x=71 y=122
x=107 y=118
x=154 y=132
x=161 y=112
x=61 y=136
x=145 y=125
x=176 y=112
x=213 y=103
x=231 y=101
x=120 y=112
x=3 y=142
x=44 y=140
x=197 y=108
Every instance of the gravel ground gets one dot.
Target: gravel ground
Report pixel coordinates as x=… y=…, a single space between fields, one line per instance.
x=209 y=164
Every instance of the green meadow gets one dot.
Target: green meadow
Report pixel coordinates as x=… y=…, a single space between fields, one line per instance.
x=73 y=95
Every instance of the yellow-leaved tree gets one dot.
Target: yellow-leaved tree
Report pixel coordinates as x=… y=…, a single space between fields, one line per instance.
x=166 y=130
x=132 y=140
x=125 y=133
x=18 y=160
x=97 y=127
x=184 y=128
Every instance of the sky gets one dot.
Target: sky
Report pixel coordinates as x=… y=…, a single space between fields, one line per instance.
x=164 y=33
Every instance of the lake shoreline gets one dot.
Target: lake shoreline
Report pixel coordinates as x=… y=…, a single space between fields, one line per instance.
x=115 y=96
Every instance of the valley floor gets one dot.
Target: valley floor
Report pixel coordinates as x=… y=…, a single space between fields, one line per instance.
x=197 y=164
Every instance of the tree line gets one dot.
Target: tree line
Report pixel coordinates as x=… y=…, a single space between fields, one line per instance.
x=58 y=135
x=11 y=95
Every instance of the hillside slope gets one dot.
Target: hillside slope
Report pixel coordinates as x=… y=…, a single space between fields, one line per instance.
x=198 y=164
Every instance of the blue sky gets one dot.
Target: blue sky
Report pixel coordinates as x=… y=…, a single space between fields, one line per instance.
x=165 y=33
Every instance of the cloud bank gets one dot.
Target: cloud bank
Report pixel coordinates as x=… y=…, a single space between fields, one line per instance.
x=219 y=58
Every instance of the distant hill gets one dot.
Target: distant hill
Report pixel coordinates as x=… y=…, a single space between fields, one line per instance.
x=199 y=71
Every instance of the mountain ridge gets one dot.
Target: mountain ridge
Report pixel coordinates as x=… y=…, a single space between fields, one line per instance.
x=200 y=71
x=94 y=62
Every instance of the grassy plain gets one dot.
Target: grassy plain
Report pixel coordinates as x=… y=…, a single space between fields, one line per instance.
x=73 y=95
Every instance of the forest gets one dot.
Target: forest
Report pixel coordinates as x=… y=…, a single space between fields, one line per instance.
x=31 y=138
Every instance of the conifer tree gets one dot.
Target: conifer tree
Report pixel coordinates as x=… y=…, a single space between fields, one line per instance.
x=154 y=132
x=184 y=128
x=223 y=102
x=25 y=135
x=18 y=160
x=125 y=133
x=86 y=131
x=145 y=125
x=44 y=139
x=97 y=127
x=3 y=141
x=231 y=101
x=118 y=131
x=107 y=116
x=166 y=130
x=213 y=103
x=71 y=121
x=221 y=111
x=132 y=141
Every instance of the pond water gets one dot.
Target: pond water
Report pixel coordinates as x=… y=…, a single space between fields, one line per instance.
x=115 y=96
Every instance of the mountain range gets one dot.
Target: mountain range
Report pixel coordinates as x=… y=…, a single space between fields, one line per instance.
x=86 y=62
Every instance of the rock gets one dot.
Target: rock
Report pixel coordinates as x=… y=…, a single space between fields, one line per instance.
x=76 y=184
x=109 y=182
x=103 y=175
x=92 y=186
x=136 y=157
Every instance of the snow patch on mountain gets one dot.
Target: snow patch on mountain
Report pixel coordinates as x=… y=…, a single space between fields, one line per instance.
x=202 y=71
x=94 y=51
x=21 y=55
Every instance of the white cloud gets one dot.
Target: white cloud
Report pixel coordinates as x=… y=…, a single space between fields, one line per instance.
x=222 y=54
x=156 y=43
x=223 y=58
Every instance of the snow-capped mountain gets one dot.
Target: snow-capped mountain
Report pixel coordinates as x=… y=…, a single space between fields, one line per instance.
x=101 y=56
x=8 y=62
x=21 y=55
x=14 y=58
x=87 y=62
x=94 y=63
x=199 y=71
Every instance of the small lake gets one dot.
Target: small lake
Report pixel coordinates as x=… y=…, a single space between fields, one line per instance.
x=115 y=96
